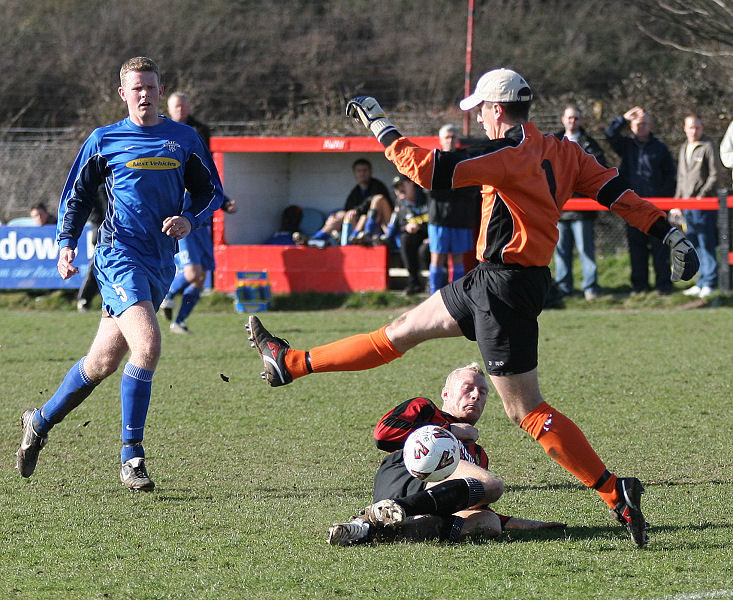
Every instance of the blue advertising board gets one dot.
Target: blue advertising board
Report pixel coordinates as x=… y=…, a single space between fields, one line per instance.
x=28 y=258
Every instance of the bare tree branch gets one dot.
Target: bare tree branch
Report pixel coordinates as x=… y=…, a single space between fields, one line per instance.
x=677 y=46
x=703 y=27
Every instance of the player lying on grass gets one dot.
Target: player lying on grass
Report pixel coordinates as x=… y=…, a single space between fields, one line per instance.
x=526 y=178
x=406 y=508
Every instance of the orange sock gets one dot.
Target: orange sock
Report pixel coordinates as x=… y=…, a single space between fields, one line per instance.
x=355 y=353
x=565 y=443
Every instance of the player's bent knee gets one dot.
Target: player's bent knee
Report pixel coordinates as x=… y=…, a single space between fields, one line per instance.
x=480 y=523
x=493 y=488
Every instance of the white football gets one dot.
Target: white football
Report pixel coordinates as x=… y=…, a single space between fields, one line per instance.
x=431 y=453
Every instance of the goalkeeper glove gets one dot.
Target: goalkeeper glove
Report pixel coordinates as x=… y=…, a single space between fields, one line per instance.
x=367 y=110
x=684 y=258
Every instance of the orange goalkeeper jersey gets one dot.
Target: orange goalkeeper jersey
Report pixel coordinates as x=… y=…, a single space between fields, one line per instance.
x=526 y=178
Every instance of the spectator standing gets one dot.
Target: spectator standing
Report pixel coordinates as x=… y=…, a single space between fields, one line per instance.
x=179 y=109
x=450 y=226
x=40 y=215
x=368 y=207
x=195 y=256
x=648 y=166
x=697 y=177
x=149 y=162
x=577 y=228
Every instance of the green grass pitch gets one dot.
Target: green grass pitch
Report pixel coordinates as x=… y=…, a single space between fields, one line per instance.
x=249 y=478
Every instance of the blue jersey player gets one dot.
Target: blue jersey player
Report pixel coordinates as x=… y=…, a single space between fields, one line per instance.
x=196 y=251
x=146 y=163
x=195 y=258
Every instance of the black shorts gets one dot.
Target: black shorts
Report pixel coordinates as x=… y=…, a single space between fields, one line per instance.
x=393 y=480
x=498 y=306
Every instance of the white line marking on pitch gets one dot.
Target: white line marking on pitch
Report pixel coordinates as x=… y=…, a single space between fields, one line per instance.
x=700 y=595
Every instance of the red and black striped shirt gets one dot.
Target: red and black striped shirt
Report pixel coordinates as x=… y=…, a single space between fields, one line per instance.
x=394 y=427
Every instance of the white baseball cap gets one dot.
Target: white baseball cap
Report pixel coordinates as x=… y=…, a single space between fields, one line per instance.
x=499 y=85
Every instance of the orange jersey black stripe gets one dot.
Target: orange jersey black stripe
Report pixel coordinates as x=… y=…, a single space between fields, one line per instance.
x=525 y=178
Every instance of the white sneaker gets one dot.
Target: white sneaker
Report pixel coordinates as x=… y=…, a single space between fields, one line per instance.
x=30 y=444
x=345 y=534
x=693 y=291
x=134 y=476
x=167 y=307
x=81 y=305
x=705 y=291
x=181 y=327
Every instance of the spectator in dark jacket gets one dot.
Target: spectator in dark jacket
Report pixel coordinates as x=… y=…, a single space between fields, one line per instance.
x=368 y=208
x=649 y=168
x=577 y=227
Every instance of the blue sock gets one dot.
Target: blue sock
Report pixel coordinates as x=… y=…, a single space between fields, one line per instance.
x=135 y=389
x=371 y=226
x=459 y=270
x=177 y=285
x=75 y=387
x=320 y=235
x=189 y=299
x=436 y=278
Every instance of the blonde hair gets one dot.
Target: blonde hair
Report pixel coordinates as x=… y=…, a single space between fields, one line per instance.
x=474 y=366
x=139 y=64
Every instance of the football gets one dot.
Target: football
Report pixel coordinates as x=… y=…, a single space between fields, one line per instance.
x=431 y=453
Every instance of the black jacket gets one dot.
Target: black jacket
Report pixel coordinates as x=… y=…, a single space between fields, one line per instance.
x=648 y=166
x=587 y=143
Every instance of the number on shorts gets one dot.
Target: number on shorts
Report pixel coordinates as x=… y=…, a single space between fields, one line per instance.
x=120 y=291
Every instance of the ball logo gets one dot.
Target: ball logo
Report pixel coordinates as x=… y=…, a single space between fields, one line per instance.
x=442 y=433
x=153 y=163
x=445 y=460
x=420 y=449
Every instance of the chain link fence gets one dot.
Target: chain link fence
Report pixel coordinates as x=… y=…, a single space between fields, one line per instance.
x=35 y=162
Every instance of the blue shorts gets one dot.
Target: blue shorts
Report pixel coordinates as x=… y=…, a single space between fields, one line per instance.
x=197 y=248
x=124 y=280
x=449 y=240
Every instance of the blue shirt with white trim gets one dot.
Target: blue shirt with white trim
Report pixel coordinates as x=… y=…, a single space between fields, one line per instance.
x=146 y=172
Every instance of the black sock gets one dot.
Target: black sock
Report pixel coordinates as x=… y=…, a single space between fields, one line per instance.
x=452 y=528
x=443 y=499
